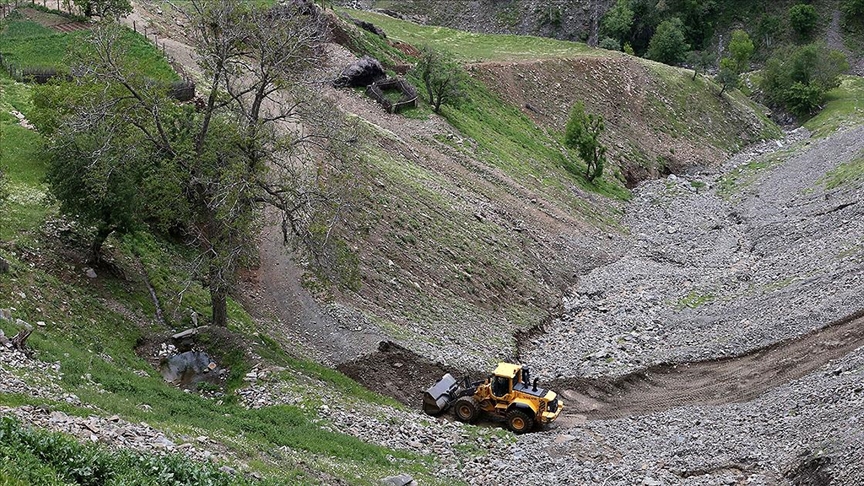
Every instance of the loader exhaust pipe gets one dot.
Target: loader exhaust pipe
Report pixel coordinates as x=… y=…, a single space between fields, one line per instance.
x=535 y=384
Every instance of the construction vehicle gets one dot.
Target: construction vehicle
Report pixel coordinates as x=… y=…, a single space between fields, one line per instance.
x=506 y=394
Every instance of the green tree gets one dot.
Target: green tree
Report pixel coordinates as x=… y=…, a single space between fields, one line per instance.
x=104 y=8
x=797 y=79
x=258 y=140
x=618 y=21
x=582 y=133
x=803 y=18
x=737 y=62
x=741 y=50
x=698 y=18
x=95 y=182
x=668 y=44
x=767 y=30
x=95 y=162
x=853 y=12
x=728 y=76
x=646 y=17
x=442 y=77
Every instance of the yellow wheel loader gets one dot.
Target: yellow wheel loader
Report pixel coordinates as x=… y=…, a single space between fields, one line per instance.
x=507 y=394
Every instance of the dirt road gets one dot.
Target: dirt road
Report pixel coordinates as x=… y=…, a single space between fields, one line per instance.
x=716 y=382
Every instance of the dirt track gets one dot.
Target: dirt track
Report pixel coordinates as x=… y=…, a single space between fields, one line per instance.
x=397 y=372
x=729 y=380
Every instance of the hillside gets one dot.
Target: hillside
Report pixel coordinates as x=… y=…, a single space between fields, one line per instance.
x=491 y=226
x=581 y=20
x=697 y=307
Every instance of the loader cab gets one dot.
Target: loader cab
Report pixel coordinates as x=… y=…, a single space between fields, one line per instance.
x=506 y=375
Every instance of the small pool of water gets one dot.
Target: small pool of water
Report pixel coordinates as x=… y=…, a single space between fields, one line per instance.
x=189 y=368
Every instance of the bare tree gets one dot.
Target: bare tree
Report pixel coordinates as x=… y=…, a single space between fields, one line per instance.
x=259 y=138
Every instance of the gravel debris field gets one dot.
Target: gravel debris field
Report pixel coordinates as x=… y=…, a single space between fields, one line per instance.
x=719 y=263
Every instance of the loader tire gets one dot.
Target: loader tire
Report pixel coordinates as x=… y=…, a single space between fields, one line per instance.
x=466 y=409
x=519 y=422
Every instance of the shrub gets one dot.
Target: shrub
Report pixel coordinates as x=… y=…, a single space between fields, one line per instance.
x=797 y=79
x=803 y=18
x=610 y=44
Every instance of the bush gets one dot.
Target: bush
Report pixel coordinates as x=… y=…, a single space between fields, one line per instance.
x=610 y=44
x=803 y=18
x=853 y=12
x=797 y=79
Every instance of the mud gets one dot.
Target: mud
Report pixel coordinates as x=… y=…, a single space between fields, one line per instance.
x=399 y=373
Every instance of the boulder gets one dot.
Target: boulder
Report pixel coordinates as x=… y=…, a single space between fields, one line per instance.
x=400 y=480
x=370 y=27
x=360 y=73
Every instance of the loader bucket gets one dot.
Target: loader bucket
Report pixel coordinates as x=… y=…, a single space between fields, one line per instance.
x=438 y=397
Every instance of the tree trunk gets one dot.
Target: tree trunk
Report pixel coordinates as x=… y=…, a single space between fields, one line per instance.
x=20 y=338
x=219 y=306
x=95 y=257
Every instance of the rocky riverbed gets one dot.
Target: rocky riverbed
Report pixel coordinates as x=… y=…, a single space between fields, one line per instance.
x=718 y=263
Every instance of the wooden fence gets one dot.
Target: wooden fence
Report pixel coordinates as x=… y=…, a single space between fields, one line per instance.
x=408 y=98
x=183 y=90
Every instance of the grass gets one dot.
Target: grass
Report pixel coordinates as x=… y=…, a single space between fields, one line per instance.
x=510 y=140
x=844 y=107
x=742 y=177
x=851 y=172
x=693 y=300
x=473 y=47
x=37 y=457
x=19 y=157
x=27 y=44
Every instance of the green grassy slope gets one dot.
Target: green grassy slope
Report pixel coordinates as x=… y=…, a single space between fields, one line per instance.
x=27 y=44
x=658 y=117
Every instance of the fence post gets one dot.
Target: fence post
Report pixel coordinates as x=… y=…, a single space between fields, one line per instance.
x=134 y=27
